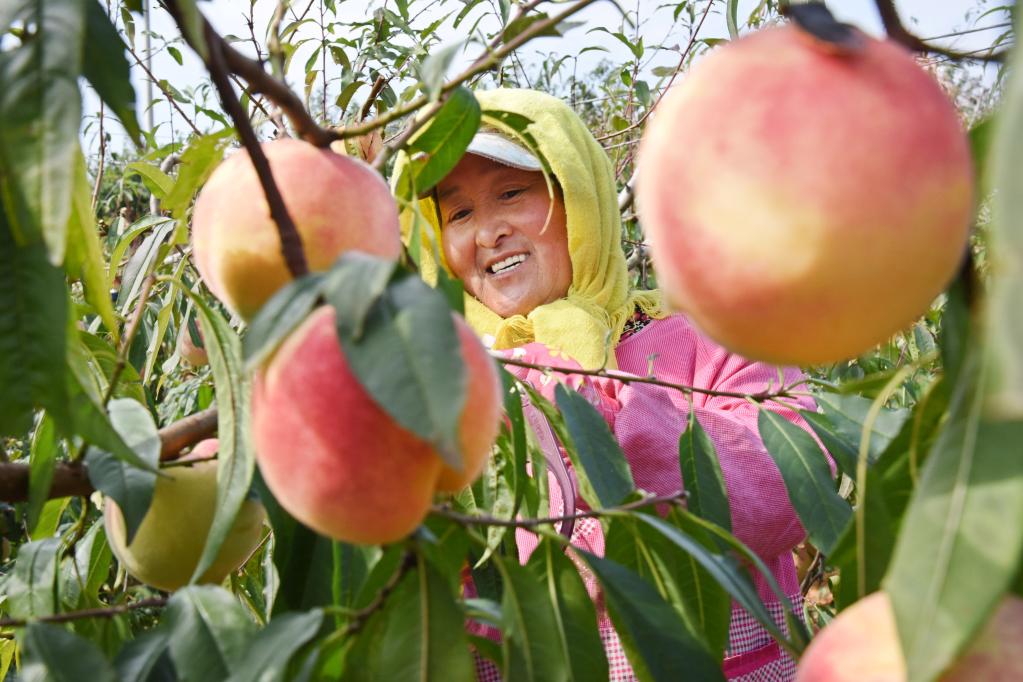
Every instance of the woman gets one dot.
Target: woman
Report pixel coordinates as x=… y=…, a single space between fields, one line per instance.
x=545 y=274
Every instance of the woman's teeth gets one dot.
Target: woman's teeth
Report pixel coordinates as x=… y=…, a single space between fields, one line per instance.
x=506 y=264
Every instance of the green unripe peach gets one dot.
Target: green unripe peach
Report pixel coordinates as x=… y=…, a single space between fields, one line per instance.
x=169 y=542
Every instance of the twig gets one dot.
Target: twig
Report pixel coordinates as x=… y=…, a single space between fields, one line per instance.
x=482 y=520
x=400 y=140
x=104 y=612
x=482 y=64
x=660 y=96
x=374 y=92
x=897 y=32
x=261 y=82
x=291 y=241
x=762 y=396
x=166 y=93
x=186 y=432
x=102 y=159
x=359 y=619
x=127 y=338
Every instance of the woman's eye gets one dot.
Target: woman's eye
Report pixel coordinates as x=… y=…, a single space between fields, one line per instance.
x=458 y=215
x=512 y=193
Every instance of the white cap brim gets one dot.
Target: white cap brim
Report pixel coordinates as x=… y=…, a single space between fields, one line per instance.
x=502 y=150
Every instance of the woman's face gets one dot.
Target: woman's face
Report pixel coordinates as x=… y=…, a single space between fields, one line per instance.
x=493 y=218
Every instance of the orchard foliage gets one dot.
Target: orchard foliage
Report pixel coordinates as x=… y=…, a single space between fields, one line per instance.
x=98 y=293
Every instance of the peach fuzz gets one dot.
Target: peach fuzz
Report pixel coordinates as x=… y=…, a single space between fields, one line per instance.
x=804 y=205
x=335 y=460
x=168 y=544
x=862 y=645
x=336 y=202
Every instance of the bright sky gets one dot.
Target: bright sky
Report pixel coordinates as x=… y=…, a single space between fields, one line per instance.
x=927 y=18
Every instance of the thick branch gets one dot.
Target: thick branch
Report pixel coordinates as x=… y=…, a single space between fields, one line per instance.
x=70 y=478
x=291 y=241
x=897 y=32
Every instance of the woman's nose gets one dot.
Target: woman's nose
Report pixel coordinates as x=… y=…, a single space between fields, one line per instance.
x=490 y=234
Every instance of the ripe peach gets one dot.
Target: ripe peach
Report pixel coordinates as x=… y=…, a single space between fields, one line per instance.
x=169 y=542
x=803 y=205
x=189 y=352
x=337 y=203
x=861 y=644
x=335 y=460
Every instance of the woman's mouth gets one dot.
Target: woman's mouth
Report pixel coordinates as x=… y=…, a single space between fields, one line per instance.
x=506 y=265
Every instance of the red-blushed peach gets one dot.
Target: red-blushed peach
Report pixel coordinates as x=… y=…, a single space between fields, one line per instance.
x=803 y=205
x=169 y=542
x=192 y=354
x=862 y=645
x=334 y=459
x=337 y=203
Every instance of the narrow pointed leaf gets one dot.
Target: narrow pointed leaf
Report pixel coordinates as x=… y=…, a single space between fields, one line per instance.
x=531 y=647
x=209 y=631
x=271 y=649
x=807 y=479
x=54 y=654
x=702 y=477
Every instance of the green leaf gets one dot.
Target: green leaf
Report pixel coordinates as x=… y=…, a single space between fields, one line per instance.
x=54 y=654
x=847 y=413
x=192 y=26
x=701 y=475
x=41 y=110
x=131 y=486
x=155 y=180
x=145 y=658
x=728 y=573
x=235 y=460
x=197 y=163
x=703 y=603
x=959 y=548
x=1003 y=319
x=652 y=633
x=209 y=631
x=418 y=635
x=93 y=557
x=33 y=327
x=145 y=259
x=270 y=650
x=403 y=349
x=304 y=560
x=807 y=478
x=279 y=316
x=100 y=358
x=574 y=612
x=434 y=68
x=85 y=255
x=596 y=450
x=437 y=149
x=107 y=69
x=731 y=10
x=31 y=585
x=43 y=459
x=531 y=646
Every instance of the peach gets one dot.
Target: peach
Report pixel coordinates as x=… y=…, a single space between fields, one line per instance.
x=335 y=460
x=802 y=205
x=189 y=352
x=169 y=542
x=336 y=202
x=862 y=644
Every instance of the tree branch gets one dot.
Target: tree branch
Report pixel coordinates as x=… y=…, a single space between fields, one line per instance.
x=70 y=479
x=103 y=612
x=897 y=32
x=482 y=520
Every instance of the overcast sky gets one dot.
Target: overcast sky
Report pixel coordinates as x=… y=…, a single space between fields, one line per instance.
x=927 y=18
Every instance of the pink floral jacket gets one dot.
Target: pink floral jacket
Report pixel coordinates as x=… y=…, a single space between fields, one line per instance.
x=647 y=420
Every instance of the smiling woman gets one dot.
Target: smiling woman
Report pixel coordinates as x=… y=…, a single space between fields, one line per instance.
x=544 y=272
x=504 y=236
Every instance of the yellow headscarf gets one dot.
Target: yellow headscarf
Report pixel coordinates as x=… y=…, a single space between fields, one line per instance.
x=587 y=324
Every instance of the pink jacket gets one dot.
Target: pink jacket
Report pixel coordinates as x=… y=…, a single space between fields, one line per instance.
x=647 y=420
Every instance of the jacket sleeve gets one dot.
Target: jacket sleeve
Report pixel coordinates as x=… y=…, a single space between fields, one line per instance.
x=648 y=420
